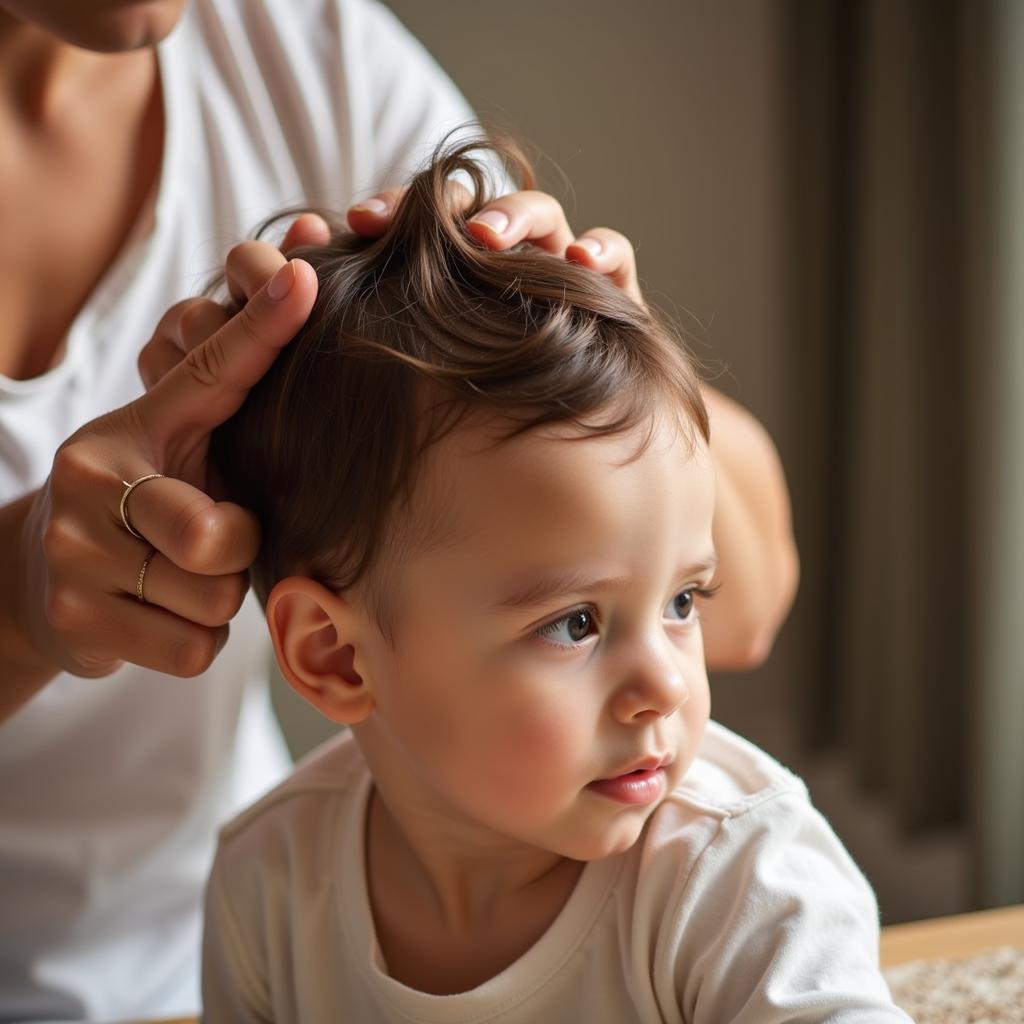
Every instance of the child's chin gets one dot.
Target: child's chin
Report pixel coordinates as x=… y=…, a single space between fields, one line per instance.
x=615 y=841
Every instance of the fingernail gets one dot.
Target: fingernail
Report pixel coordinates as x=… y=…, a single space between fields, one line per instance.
x=592 y=245
x=281 y=283
x=493 y=220
x=377 y=206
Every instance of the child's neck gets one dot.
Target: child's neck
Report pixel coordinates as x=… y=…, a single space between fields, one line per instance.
x=447 y=920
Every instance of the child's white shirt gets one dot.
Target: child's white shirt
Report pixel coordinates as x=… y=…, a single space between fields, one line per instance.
x=738 y=903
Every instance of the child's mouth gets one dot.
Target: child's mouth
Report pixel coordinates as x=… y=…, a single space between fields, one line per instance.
x=641 y=786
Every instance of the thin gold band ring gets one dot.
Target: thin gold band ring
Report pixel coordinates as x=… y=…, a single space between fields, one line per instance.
x=128 y=488
x=140 y=582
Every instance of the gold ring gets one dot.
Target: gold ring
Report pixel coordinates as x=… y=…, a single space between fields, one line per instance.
x=128 y=488
x=142 y=576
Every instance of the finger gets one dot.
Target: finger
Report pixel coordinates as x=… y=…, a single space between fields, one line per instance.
x=371 y=217
x=205 y=600
x=198 y=321
x=211 y=382
x=157 y=359
x=185 y=325
x=155 y=638
x=306 y=229
x=104 y=626
x=528 y=216
x=168 y=325
x=249 y=266
x=198 y=534
x=610 y=253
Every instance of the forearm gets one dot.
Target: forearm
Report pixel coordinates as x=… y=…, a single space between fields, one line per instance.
x=758 y=563
x=23 y=671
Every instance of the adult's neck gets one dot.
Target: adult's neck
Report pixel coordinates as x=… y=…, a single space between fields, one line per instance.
x=42 y=77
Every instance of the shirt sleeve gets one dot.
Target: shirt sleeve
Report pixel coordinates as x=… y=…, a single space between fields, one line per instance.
x=233 y=987
x=776 y=923
x=401 y=100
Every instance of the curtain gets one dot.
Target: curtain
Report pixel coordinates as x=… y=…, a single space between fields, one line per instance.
x=909 y=383
x=998 y=663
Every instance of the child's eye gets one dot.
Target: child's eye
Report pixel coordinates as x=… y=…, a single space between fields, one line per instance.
x=683 y=607
x=572 y=628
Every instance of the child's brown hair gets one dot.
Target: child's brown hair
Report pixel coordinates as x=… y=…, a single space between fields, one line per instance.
x=409 y=333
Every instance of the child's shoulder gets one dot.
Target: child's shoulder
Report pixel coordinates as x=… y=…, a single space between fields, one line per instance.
x=736 y=806
x=731 y=776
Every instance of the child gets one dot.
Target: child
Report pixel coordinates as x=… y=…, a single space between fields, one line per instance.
x=487 y=501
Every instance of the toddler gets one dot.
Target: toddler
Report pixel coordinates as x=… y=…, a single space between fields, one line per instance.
x=486 y=495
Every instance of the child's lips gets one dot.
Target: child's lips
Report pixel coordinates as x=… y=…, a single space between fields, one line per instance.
x=643 y=783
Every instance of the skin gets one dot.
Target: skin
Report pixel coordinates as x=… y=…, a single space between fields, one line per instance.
x=80 y=113
x=113 y=26
x=484 y=727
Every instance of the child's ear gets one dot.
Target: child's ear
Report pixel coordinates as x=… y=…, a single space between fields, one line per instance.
x=318 y=644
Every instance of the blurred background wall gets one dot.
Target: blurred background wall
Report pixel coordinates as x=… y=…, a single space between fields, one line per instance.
x=827 y=196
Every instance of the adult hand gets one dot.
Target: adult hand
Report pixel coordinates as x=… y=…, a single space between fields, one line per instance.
x=79 y=567
x=190 y=322
x=527 y=216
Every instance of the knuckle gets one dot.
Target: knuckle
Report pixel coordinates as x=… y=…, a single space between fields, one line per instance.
x=613 y=242
x=237 y=587
x=95 y=666
x=61 y=541
x=390 y=196
x=63 y=609
x=544 y=201
x=193 y=656
x=76 y=473
x=220 y=600
x=241 y=251
x=155 y=360
x=201 y=538
x=250 y=255
x=170 y=317
x=617 y=239
x=72 y=462
x=192 y=316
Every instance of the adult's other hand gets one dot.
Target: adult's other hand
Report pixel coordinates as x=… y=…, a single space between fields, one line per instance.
x=525 y=216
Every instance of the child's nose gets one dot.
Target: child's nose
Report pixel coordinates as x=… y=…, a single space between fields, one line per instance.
x=653 y=687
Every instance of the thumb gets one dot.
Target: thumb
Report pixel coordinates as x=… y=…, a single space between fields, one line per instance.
x=211 y=382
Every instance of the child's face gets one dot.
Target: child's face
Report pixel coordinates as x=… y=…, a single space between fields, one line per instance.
x=508 y=721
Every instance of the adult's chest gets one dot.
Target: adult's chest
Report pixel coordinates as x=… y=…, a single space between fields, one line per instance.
x=70 y=195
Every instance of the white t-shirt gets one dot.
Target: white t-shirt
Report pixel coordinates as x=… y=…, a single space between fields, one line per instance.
x=111 y=790
x=737 y=904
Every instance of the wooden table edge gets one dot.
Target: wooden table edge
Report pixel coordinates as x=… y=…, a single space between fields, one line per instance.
x=954 y=937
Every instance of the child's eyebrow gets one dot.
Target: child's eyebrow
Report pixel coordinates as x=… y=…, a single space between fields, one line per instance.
x=571 y=581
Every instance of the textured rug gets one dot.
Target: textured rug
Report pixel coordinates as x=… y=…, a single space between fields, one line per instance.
x=987 y=988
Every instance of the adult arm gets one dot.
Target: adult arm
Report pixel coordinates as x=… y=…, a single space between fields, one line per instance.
x=758 y=566
x=25 y=670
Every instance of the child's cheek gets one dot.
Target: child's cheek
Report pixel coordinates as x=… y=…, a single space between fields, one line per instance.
x=537 y=752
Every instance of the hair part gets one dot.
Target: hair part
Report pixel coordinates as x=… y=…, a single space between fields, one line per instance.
x=410 y=332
